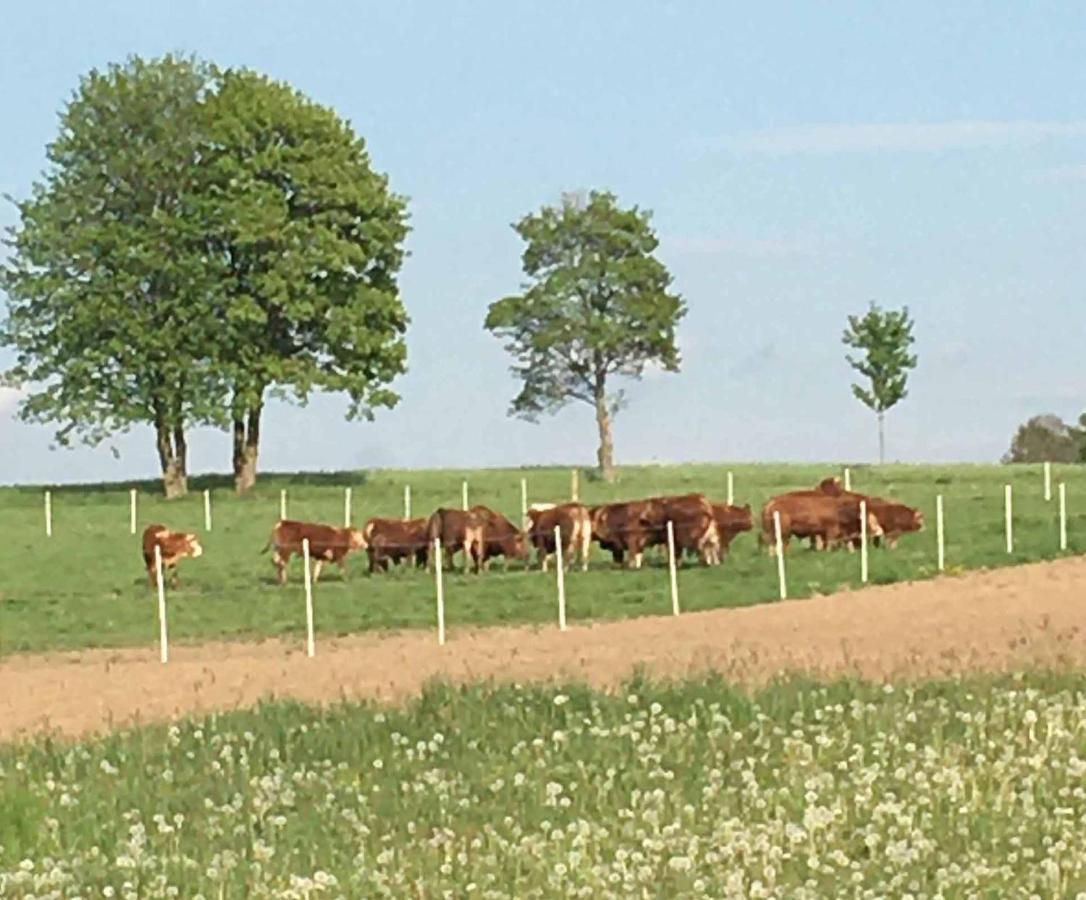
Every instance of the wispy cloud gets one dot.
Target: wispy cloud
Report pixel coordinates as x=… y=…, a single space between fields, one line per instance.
x=917 y=137
x=1063 y=173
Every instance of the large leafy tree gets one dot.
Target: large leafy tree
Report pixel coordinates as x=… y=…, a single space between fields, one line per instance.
x=309 y=240
x=201 y=239
x=596 y=306
x=884 y=338
x=108 y=281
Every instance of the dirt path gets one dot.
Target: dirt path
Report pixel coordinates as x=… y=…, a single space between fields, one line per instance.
x=1025 y=616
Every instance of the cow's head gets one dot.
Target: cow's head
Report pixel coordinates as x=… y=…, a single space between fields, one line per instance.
x=918 y=520
x=192 y=546
x=356 y=539
x=830 y=486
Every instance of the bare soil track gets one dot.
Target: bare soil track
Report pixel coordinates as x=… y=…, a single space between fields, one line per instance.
x=1028 y=616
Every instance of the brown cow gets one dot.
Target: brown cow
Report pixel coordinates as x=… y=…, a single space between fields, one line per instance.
x=500 y=536
x=458 y=530
x=623 y=528
x=393 y=540
x=173 y=546
x=731 y=521
x=326 y=544
x=693 y=523
x=827 y=520
x=894 y=518
x=574 y=524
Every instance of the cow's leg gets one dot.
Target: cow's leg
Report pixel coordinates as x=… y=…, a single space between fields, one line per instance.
x=280 y=560
x=317 y=565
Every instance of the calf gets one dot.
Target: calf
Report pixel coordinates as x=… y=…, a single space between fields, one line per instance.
x=173 y=546
x=393 y=540
x=500 y=536
x=326 y=544
x=458 y=530
x=574 y=524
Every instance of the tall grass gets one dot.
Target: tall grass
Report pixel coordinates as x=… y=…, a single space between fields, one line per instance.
x=953 y=789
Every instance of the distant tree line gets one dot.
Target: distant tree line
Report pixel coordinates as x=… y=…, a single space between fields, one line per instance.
x=1047 y=438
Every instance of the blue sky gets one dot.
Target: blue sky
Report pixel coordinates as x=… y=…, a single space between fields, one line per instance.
x=801 y=160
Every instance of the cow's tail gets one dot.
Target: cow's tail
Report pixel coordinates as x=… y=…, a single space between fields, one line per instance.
x=271 y=540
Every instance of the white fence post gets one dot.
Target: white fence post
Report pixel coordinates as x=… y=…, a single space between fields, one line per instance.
x=283 y=503
x=574 y=485
x=440 y=584
x=672 y=569
x=731 y=490
x=1048 y=481
x=848 y=479
x=780 y=555
x=407 y=501
x=207 y=509
x=132 y=511
x=1063 y=516
x=561 y=578
x=310 y=644
x=524 y=502
x=48 y=514
x=863 y=542
x=1008 y=514
x=346 y=507
x=464 y=494
x=939 y=539
x=163 y=640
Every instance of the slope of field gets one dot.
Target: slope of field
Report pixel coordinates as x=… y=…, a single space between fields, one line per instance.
x=1027 y=616
x=85 y=586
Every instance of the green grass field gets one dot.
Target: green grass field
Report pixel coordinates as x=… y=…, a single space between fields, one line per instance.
x=947 y=789
x=85 y=586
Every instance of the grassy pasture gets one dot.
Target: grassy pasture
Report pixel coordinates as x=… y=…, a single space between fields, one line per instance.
x=85 y=586
x=949 y=789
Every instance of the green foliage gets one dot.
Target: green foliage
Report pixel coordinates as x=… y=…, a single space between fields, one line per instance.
x=957 y=788
x=596 y=305
x=200 y=237
x=108 y=278
x=1047 y=438
x=307 y=241
x=884 y=337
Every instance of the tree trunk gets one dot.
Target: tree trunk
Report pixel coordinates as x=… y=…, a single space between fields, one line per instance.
x=246 y=447
x=882 y=439
x=172 y=457
x=606 y=453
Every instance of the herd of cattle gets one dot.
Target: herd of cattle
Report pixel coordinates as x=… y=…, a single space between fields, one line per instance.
x=828 y=516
